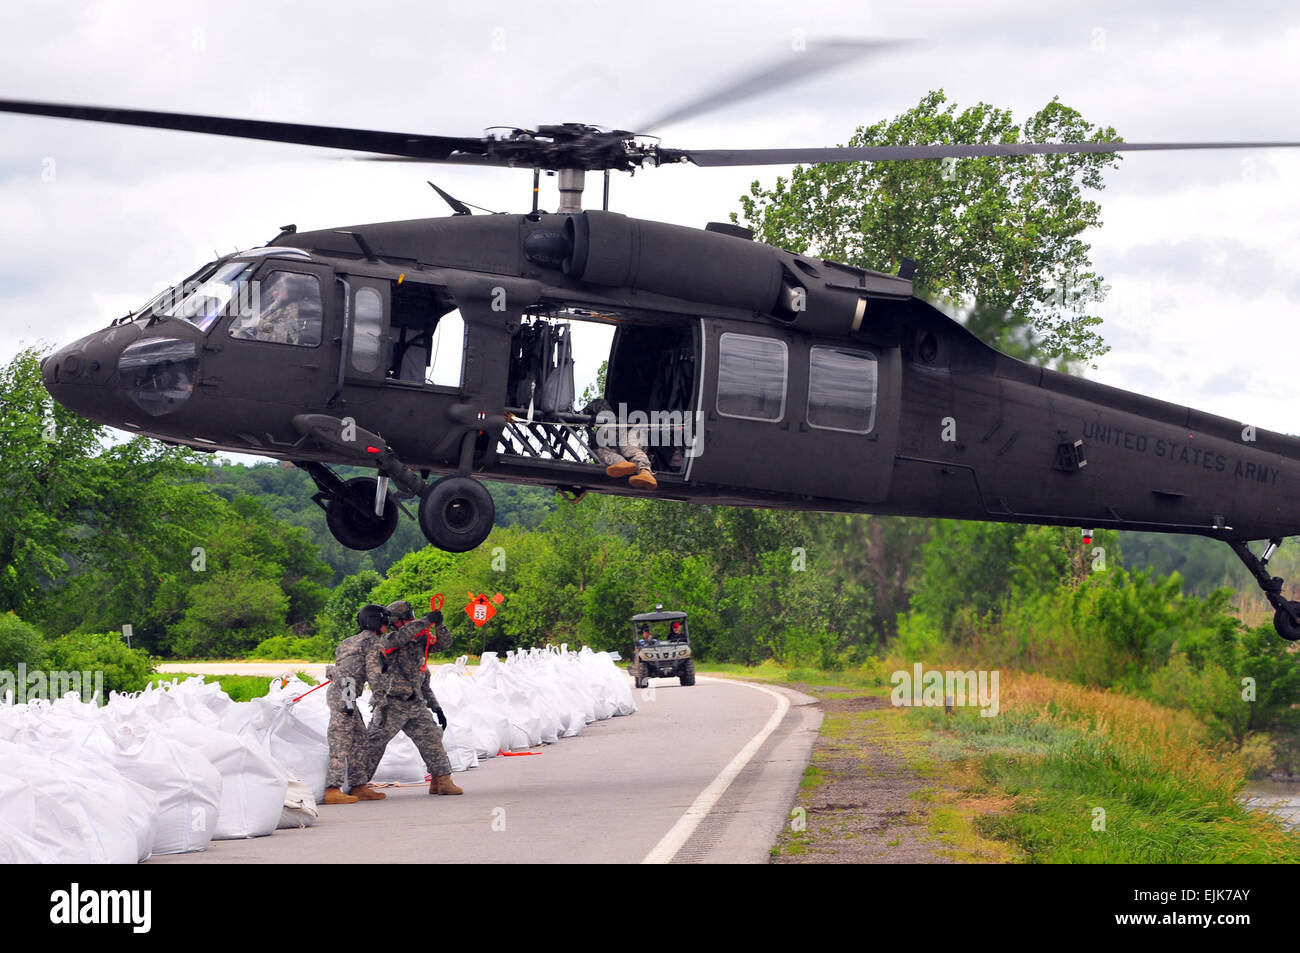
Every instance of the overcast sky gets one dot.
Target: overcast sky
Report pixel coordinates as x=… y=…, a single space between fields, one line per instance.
x=1202 y=251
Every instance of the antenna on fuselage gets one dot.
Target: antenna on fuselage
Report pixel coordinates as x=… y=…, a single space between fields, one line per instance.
x=457 y=206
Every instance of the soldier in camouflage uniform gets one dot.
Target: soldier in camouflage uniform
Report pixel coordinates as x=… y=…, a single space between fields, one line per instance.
x=630 y=456
x=279 y=323
x=403 y=700
x=354 y=665
x=290 y=311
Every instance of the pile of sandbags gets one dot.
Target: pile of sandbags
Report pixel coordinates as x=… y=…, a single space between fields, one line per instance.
x=150 y=773
x=534 y=697
x=172 y=768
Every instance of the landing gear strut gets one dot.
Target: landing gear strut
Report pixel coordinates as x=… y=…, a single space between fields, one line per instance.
x=456 y=512
x=1286 y=615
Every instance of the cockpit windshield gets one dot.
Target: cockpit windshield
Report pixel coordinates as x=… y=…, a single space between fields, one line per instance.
x=201 y=305
x=162 y=302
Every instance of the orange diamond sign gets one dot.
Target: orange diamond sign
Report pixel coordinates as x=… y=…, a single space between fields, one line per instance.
x=480 y=610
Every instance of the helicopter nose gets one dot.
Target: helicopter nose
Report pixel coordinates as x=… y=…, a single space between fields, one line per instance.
x=78 y=374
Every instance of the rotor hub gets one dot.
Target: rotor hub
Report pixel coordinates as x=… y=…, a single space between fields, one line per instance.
x=572 y=146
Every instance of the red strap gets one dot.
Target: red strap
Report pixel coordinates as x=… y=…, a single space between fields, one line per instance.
x=515 y=754
x=308 y=692
x=427 y=639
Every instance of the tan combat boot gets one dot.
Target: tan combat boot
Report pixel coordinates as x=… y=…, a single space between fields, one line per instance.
x=444 y=785
x=336 y=796
x=366 y=792
x=643 y=480
x=620 y=469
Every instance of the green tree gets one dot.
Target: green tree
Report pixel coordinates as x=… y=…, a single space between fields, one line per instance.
x=997 y=239
x=20 y=643
x=874 y=560
x=338 y=619
x=257 y=579
x=117 y=518
x=965 y=567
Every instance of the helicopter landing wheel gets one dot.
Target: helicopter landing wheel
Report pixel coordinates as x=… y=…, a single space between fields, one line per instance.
x=351 y=517
x=1282 y=621
x=456 y=513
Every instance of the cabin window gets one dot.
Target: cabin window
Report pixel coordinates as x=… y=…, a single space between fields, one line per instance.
x=285 y=308
x=367 y=329
x=841 y=389
x=751 y=377
x=447 y=352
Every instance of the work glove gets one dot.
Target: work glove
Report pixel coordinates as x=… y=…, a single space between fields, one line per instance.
x=437 y=713
x=434 y=617
x=444 y=638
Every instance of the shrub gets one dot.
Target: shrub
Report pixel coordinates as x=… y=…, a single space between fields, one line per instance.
x=919 y=638
x=318 y=648
x=20 y=643
x=125 y=669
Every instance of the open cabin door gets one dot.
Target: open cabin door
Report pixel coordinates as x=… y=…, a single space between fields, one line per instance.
x=789 y=413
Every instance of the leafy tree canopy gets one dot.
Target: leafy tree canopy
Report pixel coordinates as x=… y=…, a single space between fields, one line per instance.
x=996 y=239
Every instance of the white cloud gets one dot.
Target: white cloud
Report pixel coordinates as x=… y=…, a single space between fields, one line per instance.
x=1200 y=254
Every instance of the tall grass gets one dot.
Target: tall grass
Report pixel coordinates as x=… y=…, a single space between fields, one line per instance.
x=1065 y=773
x=1103 y=777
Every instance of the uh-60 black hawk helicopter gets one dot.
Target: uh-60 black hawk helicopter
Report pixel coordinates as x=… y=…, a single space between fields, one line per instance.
x=778 y=380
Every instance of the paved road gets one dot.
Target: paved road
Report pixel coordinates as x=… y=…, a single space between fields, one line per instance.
x=269 y=669
x=616 y=793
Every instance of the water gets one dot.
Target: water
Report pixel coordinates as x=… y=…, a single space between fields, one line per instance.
x=1280 y=797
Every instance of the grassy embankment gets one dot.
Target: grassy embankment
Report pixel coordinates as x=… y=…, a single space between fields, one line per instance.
x=1063 y=774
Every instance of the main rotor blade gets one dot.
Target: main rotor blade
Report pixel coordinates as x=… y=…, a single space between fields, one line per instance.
x=742 y=157
x=819 y=57
x=413 y=145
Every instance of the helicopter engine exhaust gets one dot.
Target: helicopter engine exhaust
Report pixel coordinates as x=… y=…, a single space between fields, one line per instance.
x=714 y=267
x=613 y=250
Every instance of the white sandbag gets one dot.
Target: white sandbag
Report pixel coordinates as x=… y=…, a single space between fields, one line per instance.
x=90 y=746
x=527 y=724
x=572 y=710
x=187 y=785
x=299 y=740
x=295 y=734
x=17 y=848
x=460 y=751
x=299 y=807
x=62 y=814
x=478 y=720
x=209 y=696
x=253 y=784
x=601 y=667
x=155 y=703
